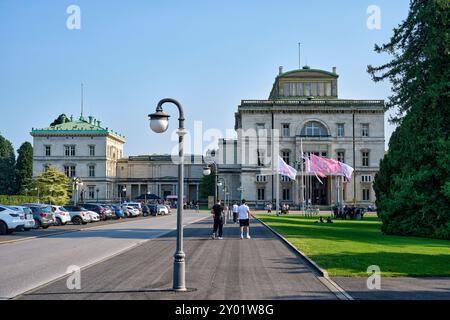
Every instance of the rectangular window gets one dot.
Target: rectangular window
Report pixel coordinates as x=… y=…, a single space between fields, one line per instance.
x=92 y=151
x=340 y=130
x=286 y=130
x=69 y=151
x=286 y=155
x=91 y=171
x=341 y=156
x=365 y=158
x=261 y=178
x=314 y=89
x=261 y=194
x=366 y=178
x=48 y=151
x=307 y=89
x=293 y=89
x=328 y=89
x=300 y=89
x=286 y=194
x=366 y=194
x=91 y=192
x=365 y=130
x=286 y=89
x=285 y=179
x=70 y=171
x=321 y=89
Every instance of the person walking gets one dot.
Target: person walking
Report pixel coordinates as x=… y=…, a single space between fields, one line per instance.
x=244 y=219
x=235 y=212
x=217 y=211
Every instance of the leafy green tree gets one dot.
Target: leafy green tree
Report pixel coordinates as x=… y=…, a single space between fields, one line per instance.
x=413 y=184
x=54 y=186
x=24 y=167
x=206 y=186
x=62 y=118
x=7 y=165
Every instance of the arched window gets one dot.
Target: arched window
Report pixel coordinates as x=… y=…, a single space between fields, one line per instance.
x=314 y=129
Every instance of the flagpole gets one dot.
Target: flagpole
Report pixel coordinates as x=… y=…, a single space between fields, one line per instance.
x=302 y=194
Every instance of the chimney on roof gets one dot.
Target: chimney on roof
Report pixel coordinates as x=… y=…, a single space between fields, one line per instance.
x=334 y=69
x=280 y=70
x=90 y=119
x=98 y=123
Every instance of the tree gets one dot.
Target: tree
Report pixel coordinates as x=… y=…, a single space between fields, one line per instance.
x=7 y=165
x=54 y=186
x=62 y=118
x=24 y=167
x=413 y=184
x=207 y=183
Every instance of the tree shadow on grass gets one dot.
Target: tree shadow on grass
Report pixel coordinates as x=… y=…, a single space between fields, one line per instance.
x=394 y=263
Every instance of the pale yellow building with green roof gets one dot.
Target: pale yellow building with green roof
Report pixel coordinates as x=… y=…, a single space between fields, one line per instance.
x=80 y=148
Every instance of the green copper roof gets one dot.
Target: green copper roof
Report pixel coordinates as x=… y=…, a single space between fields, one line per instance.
x=81 y=125
x=308 y=69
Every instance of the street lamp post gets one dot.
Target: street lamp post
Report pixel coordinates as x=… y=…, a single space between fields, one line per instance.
x=97 y=193
x=147 y=194
x=159 y=122
x=123 y=190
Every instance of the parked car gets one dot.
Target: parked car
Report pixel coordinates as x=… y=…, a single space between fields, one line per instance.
x=372 y=208
x=135 y=205
x=95 y=217
x=109 y=211
x=146 y=210
x=29 y=220
x=42 y=215
x=78 y=214
x=11 y=220
x=163 y=209
x=118 y=212
x=62 y=216
x=130 y=211
x=104 y=213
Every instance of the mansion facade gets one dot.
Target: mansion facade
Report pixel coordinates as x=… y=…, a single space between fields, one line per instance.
x=303 y=111
x=83 y=149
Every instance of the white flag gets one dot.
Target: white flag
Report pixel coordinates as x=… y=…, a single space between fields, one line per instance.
x=285 y=169
x=347 y=171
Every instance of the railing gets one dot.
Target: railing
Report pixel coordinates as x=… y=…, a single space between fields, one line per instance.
x=323 y=102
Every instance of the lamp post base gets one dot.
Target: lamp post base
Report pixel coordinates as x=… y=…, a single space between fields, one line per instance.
x=179 y=266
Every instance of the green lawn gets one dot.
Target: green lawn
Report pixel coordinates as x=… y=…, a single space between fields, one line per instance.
x=347 y=248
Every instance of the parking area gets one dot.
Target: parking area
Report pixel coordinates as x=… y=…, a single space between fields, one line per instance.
x=54 y=230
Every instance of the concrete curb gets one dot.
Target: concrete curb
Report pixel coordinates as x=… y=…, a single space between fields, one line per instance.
x=340 y=293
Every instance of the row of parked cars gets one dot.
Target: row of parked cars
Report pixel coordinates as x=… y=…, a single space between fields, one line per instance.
x=34 y=216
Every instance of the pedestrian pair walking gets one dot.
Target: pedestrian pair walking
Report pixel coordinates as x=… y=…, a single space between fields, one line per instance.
x=242 y=212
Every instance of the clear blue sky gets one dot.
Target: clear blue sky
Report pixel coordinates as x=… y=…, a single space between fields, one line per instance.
x=207 y=54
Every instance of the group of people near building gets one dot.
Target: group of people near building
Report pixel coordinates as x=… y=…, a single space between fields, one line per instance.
x=241 y=214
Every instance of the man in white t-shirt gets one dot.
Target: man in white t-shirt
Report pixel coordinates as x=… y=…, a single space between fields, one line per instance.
x=244 y=219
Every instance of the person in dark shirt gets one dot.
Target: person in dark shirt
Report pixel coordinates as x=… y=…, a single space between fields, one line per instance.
x=217 y=211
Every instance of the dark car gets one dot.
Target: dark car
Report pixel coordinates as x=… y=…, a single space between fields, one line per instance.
x=104 y=214
x=146 y=211
x=42 y=214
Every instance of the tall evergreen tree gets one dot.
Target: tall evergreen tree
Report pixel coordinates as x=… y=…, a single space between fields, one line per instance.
x=24 y=167
x=7 y=167
x=413 y=184
x=206 y=187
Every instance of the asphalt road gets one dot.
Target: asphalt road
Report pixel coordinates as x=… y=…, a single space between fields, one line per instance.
x=259 y=268
x=30 y=263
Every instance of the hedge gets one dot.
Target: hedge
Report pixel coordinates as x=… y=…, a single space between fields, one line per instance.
x=17 y=200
